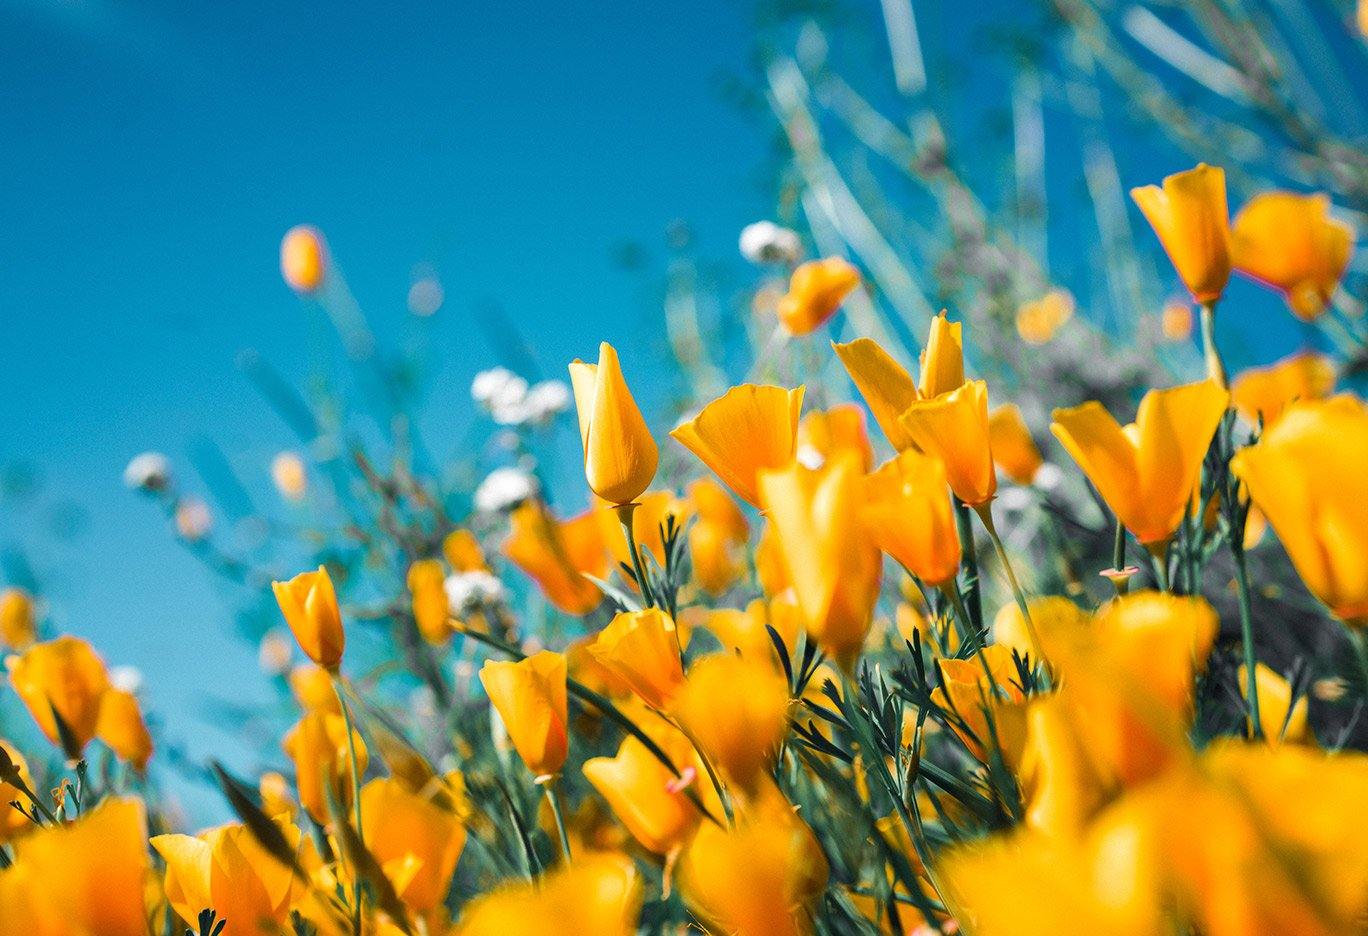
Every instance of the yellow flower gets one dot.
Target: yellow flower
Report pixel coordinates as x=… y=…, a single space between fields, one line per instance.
x=743 y=631
x=303 y=258
x=83 y=879
x=12 y=822
x=557 y=553
x=121 y=726
x=1291 y=243
x=885 y=385
x=908 y=512
x=643 y=794
x=600 y=893
x=276 y=800
x=1264 y=392
x=1014 y=450
x=226 y=869
x=1306 y=475
x=747 y=430
x=309 y=605
x=987 y=708
x=737 y=709
x=816 y=290
x=1279 y=719
x=290 y=477
x=620 y=456
x=462 y=552
x=312 y=687
x=427 y=591
x=642 y=648
x=823 y=433
x=416 y=842
x=770 y=569
x=318 y=746
x=1193 y=223
x=1175 y=321
x=530 y=697
x=954 y=428
x=67 y=676
x=1146 y=472
x=829 y=557
x=17 y=627
x=942 y=360
x=717 y=538
x=1055 y=617
x=1037 y=321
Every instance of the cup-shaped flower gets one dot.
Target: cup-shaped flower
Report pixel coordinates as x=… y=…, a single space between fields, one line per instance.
x=1190 y=216
x=747 y=430
x=885 y=385
x=530 y=697
x=1291 y=243
x=717 y=537
x=599 y=893
x=1280 y=718
x=227 y=870
x=121 y=726
x=907 y=510
x=1014 y=449
x=1306 y=474
x=17 y=626
x=745 y=633
x=645 y=795
x=1147 y=471
x=989 y=711
x=1262 y=393
x=942 y=360
x=303 y=258
x=620 y=456
x=309 y=604
x=558 y=553
x=824 y=433
x=416 y=842
x=642 y=648
x=428 y=600
x=67 y=677
x=318 y=746
x=816 y=290
x=737 y=709
x=830 y=559
x=954 y=428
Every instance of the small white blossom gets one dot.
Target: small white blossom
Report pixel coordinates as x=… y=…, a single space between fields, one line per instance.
x=1014 y=499
x=503 y=394
x=126 y=678
x=503 y=489
x=767 y=242
x=1048 y=476
x=547 y=400
x=471 y=591
x=149 y=471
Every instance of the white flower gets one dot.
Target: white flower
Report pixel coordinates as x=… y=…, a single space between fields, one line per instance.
x=767 y=242
x=472 y=591
x=503 y=489
x=1048 y=476
x=547 y=400
x=193 y=519
x=1014 y=499
x=126 y=678
x=149 y=471
x=503 y=393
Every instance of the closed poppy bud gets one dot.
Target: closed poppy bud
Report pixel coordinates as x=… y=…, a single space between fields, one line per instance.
x=427 y=591
x=1306 y=475
x=942 y=360
x=954 y=428
x=17 y=627
x=318 y=746
x=823 y=433
x=463 y=553
x=599 y=893
x=717 y=537
x=642 y=648
x=885 y=385
x=1262 y=393
x=121 y=726
x=737 y=710
x=309 y=605
x=416 y=842
x=86 y=877
x=312 y=687
x=1147 y=471
x=747 y=430
x=1291 y=243
x=620 y=457
x=833 y=564
x=228 y=870
x=908 y=512
x=303 y=258
x=1014 y=450
x=816 y=290
x=66 y=676
x=530 y=697
x=13 y=767
x=558 y=553
x=1279 y=719
x=1193 y=223
x=644 y=794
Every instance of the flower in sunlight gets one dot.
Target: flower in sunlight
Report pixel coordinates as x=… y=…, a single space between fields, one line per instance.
x=148 y=471
x=290 y=476
x=767 y=242
x=1190 y=216
x=504 y=489
x=303 y=258
x=816 y=291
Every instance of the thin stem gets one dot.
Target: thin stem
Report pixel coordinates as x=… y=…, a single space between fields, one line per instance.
x=18 y=783
x=1215 y=366
x=1159 y=554
x=553 y=798
x=985 y=513
x=356 y=793
x=722 y=794
x=1247 y=639
x=969 y=555
x=625 y=512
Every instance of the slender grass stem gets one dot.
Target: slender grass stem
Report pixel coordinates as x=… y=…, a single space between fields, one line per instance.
x=356 y=793
x=553 y=798
x=708 y=767
x=1247 y=639
x=985 y=513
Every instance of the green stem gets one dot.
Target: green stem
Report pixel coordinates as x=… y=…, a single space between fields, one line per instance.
x=1159 y=554
x=1247 y=639
x=553 y=797
x=625 y=512
x=356 y=794
x=722 y=794
x=1215 y=366
x=985 y=513
x=24 y=788
x=969 y=555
